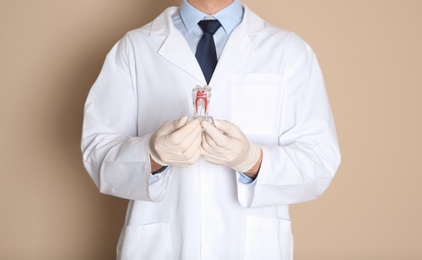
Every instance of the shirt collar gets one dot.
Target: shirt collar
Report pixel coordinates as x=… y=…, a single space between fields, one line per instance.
x=229 y=17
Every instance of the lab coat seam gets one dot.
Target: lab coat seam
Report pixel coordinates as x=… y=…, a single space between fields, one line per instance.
x=328 y=161
x=120 y=70
x=283 y=106
x=130 y=53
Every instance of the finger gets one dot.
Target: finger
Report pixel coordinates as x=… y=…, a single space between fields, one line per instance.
x=167 y=128
x=229 y=129
x=206 y=151
x=195 y=157
x=191 y=154
x=209 y=143
x=188 y=132
x=192 y=140
x=181 y=122
x=171 y=126
x=204 y=144
x=209 y=154
x=189 y=135
x=193 y=148
x=210 y=151
x=223 y=125
x=219 y=138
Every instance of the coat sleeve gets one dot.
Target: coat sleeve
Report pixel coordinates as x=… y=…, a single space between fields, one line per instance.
x=114 y=156
x=301 y=166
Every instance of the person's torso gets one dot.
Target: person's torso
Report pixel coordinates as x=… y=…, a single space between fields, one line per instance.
x=201 y=218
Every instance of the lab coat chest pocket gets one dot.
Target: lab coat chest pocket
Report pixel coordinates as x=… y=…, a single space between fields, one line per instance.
x=257 y=103
x=150 y=241
x=268 y=238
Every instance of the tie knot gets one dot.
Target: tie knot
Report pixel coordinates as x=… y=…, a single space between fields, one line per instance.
x=209 y=26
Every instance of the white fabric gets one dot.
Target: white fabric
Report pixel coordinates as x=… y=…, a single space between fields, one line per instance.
x=225 y=144
x=267 y=82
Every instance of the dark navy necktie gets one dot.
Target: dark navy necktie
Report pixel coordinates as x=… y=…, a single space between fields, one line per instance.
x=205 y=52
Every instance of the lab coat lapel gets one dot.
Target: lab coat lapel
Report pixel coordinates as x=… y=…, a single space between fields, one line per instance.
x=238 y=52
x=175 y=48
x=239 y=49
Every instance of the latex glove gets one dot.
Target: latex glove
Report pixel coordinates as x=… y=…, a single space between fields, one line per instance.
x=176 y=143
x=225 y=144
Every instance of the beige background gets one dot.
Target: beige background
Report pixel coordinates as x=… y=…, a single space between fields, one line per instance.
x=370 y=52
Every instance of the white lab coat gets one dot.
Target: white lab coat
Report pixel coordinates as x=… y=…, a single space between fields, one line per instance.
x=268 y=82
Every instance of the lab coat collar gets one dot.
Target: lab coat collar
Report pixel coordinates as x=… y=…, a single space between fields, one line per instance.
x=234 y=56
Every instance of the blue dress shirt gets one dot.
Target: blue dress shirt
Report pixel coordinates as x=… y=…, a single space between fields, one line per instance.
x=186 y=21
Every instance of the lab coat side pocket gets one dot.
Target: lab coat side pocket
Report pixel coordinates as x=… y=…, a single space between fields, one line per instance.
x=150 y=241
x=268 y=238
x=257 y=101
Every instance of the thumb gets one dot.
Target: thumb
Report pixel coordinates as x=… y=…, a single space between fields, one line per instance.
x=225 y=126
x=180 y=122
x=215 y=134
x=171 y=126
x=229 y=128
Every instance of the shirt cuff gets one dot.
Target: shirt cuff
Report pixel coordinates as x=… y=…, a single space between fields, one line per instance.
x=243 y=178
x=160 y=174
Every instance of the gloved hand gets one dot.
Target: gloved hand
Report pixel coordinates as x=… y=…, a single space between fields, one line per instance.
x=176 y=143
x=225 y=144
